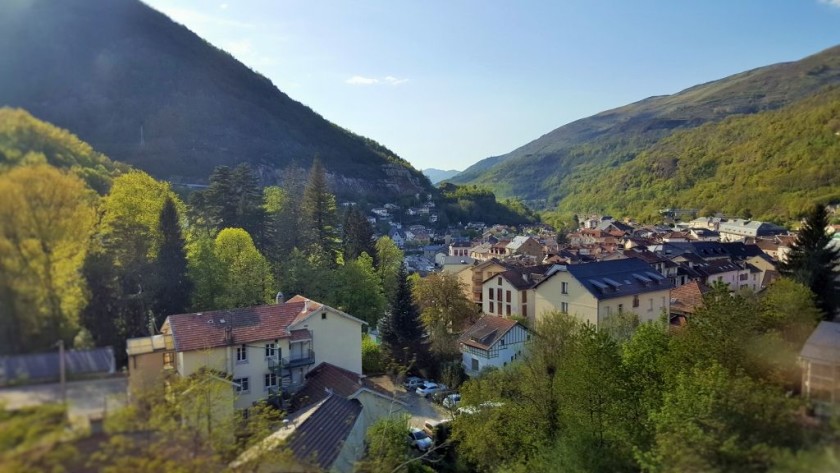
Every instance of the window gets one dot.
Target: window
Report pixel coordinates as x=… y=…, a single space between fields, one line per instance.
x=270 y=350
x=502 y=341
x=270 y=380
x=564 y=307
x=564 y=288
x=635 y=301
x=241 y=386
x=499 y=294
x=242 y=354
x=168 y=360
x=620 y=308
x=507 y=296
x=474 y=364
x=743 y=277
x=524 y=297
x=323 y=316
x=651 y=304
x=499 y=281
x=524 y=310
x=490 y=295
x=507 y=310
x=609 y=310
x=492 y=309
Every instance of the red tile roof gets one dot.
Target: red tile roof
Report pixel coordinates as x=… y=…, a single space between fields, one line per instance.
x=203 y=330
x=686 y=299
x=327 y=378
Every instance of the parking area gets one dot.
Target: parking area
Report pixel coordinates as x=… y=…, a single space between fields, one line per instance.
x=418 y=408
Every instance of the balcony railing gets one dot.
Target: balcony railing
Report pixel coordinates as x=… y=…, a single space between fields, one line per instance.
x=302 y=359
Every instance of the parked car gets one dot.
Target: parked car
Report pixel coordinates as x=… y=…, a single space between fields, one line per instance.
x=419 y=439
x=451 y=401
x=437 y=429
x=411 y=383
x=439 y=396
x=428 y=388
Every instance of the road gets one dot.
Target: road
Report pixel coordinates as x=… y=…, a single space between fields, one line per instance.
x=89 y=398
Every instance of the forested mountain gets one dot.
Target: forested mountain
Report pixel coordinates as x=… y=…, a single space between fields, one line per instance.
x=149 y=92
x=437 y=175
x=26 y=140
x=546 y=167
x=770 y=165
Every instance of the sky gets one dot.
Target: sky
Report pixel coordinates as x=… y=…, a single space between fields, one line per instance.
x=447 y=83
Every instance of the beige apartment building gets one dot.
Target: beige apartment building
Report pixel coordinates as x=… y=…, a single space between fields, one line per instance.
x=261 y=350
x=593 y=292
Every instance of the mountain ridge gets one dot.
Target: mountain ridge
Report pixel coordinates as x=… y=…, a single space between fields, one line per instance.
x=438 y=175
x=147 y=91
x=618 y=135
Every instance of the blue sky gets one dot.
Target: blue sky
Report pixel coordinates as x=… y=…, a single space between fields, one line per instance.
x=447 y=83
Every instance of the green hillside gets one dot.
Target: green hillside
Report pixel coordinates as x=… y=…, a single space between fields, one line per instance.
x=149 y=92
x=542 y=168
x=770 y=165
x=26 y=140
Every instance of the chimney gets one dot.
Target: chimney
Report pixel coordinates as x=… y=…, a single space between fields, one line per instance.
x=279 y=298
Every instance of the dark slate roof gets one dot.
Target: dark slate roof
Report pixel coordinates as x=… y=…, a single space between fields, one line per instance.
x=712 y=249
x=617 y=278
x=487 y=331
x=327 y=378
x=45 y=366
x=318 y=440
x=717 y=267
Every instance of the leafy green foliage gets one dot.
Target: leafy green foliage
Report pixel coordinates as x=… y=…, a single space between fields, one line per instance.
x=245 y=276
x=30 y=439
x=389 y=261
x=769 y=165
x=444 y=310
x=47 y=218
x=708 y=397
x=473 y=203
x=387 y=449
x=358 y=291
x=372 y=360
x=26 y=140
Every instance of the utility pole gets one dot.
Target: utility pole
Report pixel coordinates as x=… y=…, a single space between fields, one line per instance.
x=61 y=368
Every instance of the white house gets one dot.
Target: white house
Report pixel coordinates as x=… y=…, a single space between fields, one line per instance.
x=492 y=341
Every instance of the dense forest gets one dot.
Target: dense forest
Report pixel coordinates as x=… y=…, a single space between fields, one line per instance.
x=552 y=169
x=151 y=93
x=769 y=166
x=93 y=252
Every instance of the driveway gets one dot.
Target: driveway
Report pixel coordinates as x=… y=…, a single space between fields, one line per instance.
x=89 y=398
x=418 y=408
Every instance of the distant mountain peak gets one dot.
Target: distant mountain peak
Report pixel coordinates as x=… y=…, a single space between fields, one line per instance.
x=438 y=175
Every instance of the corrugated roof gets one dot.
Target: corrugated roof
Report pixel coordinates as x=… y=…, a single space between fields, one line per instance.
x=46 y=366
x=824 y=344
x=319 y=439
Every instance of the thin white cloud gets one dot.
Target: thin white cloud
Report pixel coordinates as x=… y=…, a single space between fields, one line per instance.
x=833 y=3
x=223 y=6
x=387 y=80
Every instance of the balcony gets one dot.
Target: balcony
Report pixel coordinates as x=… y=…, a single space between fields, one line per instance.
x=307 y=357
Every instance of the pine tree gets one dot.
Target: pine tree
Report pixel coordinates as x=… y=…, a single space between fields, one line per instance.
x=248 y=199
x=357 y=235
x=813 y=263
x=218 y=198
x=173 y=285
x=319 y=211
x=285 y=223
x=402 y=329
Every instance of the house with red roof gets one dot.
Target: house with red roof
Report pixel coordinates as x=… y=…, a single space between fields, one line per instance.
x=262 y=350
